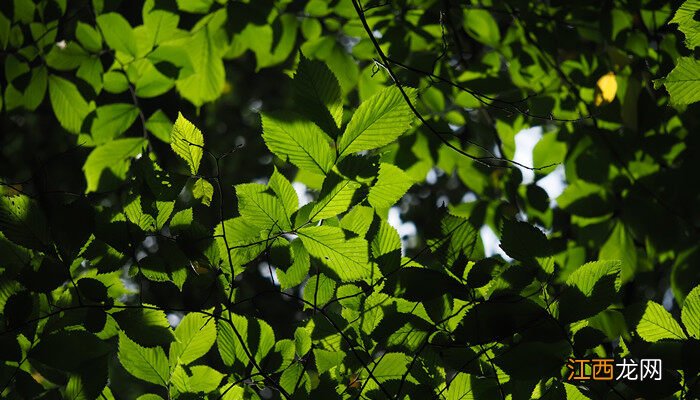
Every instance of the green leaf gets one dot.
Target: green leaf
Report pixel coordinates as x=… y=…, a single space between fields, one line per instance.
x=293 y=139
x=161 y=25
x=620 y=246
x=591 y=289
x=187 y=142
x=256 y=335
x=66 y=58
x=386 y=247
x=203 y=190
x=195 y=6
x=146 y=363
x=302 y=341
x=319 y=290
x=327 y=360
x=480 y=25
x=151 y=82
x=207 y=81
x=23 y=222
x=169 y=264
x=285 y=193
x=657 y=324
x=272 y=43
x=134 y=213
x=243 y=238
x=347 y=258
x=91 y=71
x=203 y=379
x=390 y=366
x=195 y=335
x=690 y=314
x=548 y=151
x=74 y=388
x=115 y=82
x=159 y=125
x=118 y=33
x=358 y=220
x=460 y=388
x=110 y=161
x=88 y=36
x=685 y=17
x=146 y=326
x=68 y=105
x=295 y=378
x=318 y=92
x=683 y=82
x=585 y=199
x=392 y=183
x=33 y=94
x=261 y=208
x=149 y=396
x=588 y=275
x=377 y=122
x=112 y=120
x=337 y=195
x=573 y=392
x=297 y=272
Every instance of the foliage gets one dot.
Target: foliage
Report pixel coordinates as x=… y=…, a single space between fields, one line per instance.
x=199 y=198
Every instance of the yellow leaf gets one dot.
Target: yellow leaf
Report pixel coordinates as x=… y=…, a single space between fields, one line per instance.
x=606 y=88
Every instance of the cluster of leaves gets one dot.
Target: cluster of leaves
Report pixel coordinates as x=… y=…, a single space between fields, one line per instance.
x=682 y=82
x=138 y=261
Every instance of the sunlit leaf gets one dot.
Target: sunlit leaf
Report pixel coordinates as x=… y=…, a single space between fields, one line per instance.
x=657 y=324
x=187 y=142
x=378 y=121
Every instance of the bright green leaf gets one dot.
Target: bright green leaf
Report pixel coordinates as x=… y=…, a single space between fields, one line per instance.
x=260 y=208
x=302 y=341
x=244 y=336
x=195 y=335
x=112 y=120
x=285 y=192
x=207 y=81
x=392 y=183
x=297 y=272
x=298 y=141
x=683 y=82
x=187 y=142
x=68 y=105
x=203 y=379
x=481 y=26
x=345 y=257
x=109 y=162
x=337 y=195
x=378 y=121
x=327 y=360
x=686 y=18
x=690 y=314
x=203 y=190
x=319 y=290
x=587 y=276
x=159 y=125
x=657 y=324
x=89 y=37
x=147 y=363
x=117 y=33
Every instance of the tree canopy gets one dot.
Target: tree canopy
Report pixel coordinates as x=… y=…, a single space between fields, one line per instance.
x=424 y=199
